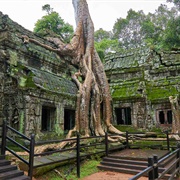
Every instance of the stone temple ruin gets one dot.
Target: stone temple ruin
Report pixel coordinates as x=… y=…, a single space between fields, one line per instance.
x=38 y=96
x=141 y=82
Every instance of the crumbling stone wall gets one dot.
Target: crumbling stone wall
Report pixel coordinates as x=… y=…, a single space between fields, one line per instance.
x=145 y=79
x=32 y=78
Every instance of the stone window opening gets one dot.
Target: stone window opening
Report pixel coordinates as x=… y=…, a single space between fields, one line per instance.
x=69 y=119
x=165 y=116
x=123 y=116
x=48 y=116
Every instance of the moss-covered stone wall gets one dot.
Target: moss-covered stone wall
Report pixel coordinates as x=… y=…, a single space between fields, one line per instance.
x=144 y=79
x=32 y=78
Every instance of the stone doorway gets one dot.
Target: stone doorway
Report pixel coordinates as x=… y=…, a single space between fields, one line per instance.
x=69 y=119
x=123 y=115
x=165 y=116
x=48 y=116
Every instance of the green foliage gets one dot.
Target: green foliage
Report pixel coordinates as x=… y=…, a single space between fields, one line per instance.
x=104 y=43
x=171 y=36
x=105 y=46
x=47 y=8
x=53 y=25
x=101 y=34
x=58 y=130
x=128 y=30
x=158 y=30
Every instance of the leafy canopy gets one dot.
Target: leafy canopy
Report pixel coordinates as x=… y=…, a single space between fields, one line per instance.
x=53 y=25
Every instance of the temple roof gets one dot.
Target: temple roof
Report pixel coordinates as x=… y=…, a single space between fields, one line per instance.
x=144 y=73
x=33 y=65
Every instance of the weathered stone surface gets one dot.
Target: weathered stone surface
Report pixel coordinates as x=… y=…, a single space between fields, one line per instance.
x=34 y=81
x=143 y=75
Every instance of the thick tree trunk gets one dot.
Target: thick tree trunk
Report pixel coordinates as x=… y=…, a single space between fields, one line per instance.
x=175 y=107
x=94 y=91
x=95 y=82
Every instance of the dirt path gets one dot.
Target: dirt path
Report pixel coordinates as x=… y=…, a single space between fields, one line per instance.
x=131 y=153
x=107 y=175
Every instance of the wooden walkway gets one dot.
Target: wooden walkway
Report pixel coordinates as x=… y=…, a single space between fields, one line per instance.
x=55 y=160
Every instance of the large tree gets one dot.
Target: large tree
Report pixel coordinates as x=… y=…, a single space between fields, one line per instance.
x=94 y=103
x=53 y=25
x=104 y=43
x=128 y=31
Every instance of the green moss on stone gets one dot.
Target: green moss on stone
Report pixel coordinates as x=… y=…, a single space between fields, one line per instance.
x=13 y=58
x=21 y=120
x=125 y=92
x=162 y=92
x=58 y=130
x=22 y=81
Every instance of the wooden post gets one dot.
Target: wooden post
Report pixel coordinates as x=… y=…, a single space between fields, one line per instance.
x=127 y=140
x=106 y=143
x=151 y=173
x=178 y=157
x=31 y=156
x=78 y=154
x=167 y=137
x=4 y=134
x=155 y=158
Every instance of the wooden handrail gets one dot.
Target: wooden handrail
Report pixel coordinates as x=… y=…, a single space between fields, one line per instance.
x=78 y=148
x=153 y=168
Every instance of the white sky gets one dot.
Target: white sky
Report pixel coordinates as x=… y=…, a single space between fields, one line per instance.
x=104 y=13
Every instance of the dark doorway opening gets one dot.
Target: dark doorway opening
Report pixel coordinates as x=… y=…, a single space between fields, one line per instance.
x=48 y=115
x=165 y=117
x=123 y=115
x=169 y=117
x=161 y=117
x=69 y=119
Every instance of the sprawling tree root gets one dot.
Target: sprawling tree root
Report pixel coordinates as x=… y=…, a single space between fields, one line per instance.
x=94 y=93
x=175 y=107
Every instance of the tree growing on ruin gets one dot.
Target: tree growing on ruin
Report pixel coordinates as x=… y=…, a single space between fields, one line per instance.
x=53 y=25
x=94 y=102
x=175 y=107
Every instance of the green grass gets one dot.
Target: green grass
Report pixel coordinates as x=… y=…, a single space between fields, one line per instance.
x=87 y=168
x=128 y=128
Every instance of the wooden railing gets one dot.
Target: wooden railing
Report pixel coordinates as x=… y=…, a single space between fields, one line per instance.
x=30 y=151
x=153 y=165
x=98 y=141
x=103 y=141
x=158 y=143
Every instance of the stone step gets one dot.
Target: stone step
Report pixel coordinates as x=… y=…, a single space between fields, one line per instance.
x=123 y=165
x=4 y=162
x=7 y=168
x=11 y=174
x=117 y=169
x=126 y=161
x=20 y=178
x=128 y=166
x=127 y=158
x=2 y=157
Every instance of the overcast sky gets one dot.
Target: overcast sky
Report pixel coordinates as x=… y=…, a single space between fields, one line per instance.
x=104 y=13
